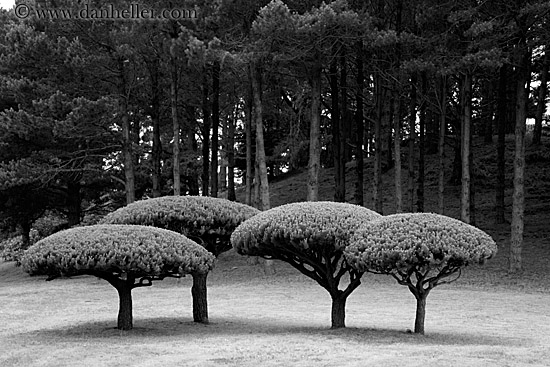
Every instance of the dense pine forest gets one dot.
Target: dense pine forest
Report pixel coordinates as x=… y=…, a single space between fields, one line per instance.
x=399 y=106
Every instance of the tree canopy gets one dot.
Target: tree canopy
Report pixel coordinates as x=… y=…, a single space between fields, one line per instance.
x=210 y=221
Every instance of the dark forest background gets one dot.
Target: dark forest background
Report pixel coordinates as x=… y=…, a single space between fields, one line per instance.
x=404 y=106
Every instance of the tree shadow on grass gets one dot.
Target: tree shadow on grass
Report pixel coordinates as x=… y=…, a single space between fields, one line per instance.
x=182 y=328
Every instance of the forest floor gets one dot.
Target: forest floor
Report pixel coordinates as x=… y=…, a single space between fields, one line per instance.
x=487 y=318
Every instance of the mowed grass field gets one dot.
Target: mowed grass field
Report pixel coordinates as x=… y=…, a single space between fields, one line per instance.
x=277 y=320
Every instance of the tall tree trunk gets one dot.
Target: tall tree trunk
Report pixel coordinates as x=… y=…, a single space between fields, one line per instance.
x=397 y=115
x=487 y=111
x=397 y=149
x=339 y=168
x=223 y=149
x=314 y=164
x=191 y=139
x=156 y=153
x=231 y=195
x=215 y=127
x=205 y=136
x=25 y=224
x=518 y=199
x=74 y=201
x=541 y=100
x=260 y=149
x=261 y=167
x=422 y=147
x=136 y=141
x=199 y=294
x=501 y=145
x=249 y=176
x=466 y=126
x=441 y=146
x=377 y=184
x=412 y=138
x=360 y=125
x=345 y=120
x=175 y=124
x=129 y=173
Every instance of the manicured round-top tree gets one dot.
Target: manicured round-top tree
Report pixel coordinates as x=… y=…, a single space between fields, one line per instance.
x=310 y=236
x=126 y=256
x=209 y=221
x=419 y=250
x=206 y=220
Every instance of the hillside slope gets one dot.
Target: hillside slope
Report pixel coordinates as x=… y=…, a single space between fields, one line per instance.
x=537 y=212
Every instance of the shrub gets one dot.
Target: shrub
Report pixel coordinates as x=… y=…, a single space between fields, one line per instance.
x=126 y=256
x=310 y=236
x=419 y=250
x=209 y=221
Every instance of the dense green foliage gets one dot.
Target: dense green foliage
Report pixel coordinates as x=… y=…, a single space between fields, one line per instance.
x=421 y=242
x=139 y=251
x=310 y=236
x=209 y=220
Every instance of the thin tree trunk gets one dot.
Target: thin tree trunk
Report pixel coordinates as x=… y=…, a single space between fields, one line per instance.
x=441 y=146
x=205 y=136
x=541 y=101
x=127 y=149
x=260 y=149
x=261 y=167
x=397 y=115
x=360 y=124
x=199 y=294
x=421 y=148
x=156 y=153
x=134 y=133
x=412 y=138
x=337 y=148
x=175 y=124
x=397 y=149
x=487 y=111
x=501 y=145
x=191 y=139
x=231 y=195
x=377 y=185
x=74 y=201
x=314 y=164
x=249 y=176
x=25 y=225
x=466 y=126
x=345 y=123
x=518 y=199
x=223 y=149
x=256 y=200
x=215 y=127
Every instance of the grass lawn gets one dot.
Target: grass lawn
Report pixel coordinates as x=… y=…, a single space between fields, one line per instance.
x=279 y=320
